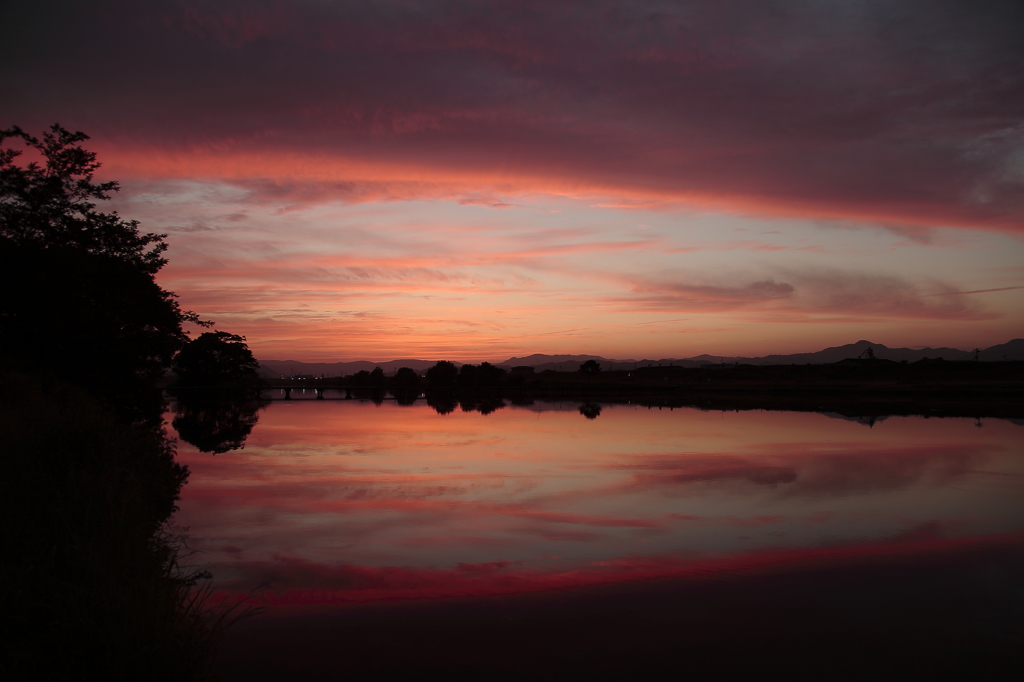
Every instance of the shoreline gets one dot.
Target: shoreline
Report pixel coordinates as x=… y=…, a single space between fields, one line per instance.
x=850 y=403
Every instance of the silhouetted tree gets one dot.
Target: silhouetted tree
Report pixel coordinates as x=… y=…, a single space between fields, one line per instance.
x=590 y=410
x=405 y=396
x=442 y=374
x=443 y=402
x=489 y=403
x=79 y=304
x=406 y=377
x=216 y=422
x=52 y=206
x=467 y=375
x=484 y=374
x=406 y=384
x=590 y=367
x=79 y=295
x=489 y=375
x=376 y=378
x=91 y=319
x=216 y=359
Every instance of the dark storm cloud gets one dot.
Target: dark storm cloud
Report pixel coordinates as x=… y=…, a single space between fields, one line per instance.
x=904 y=111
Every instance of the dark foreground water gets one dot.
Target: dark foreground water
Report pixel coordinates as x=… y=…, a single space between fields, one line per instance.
x=393 y=541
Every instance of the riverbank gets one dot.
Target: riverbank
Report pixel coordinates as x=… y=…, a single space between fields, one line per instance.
x=93 y=572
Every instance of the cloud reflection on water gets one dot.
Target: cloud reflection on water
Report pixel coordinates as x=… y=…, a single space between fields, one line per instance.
x=355 y=501
x=812 y=469
x=304 y=582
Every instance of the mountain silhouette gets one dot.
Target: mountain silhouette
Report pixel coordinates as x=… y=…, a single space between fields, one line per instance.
x=1012 y=350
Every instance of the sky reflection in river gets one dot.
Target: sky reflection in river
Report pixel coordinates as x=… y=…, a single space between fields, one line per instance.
x=335 y=501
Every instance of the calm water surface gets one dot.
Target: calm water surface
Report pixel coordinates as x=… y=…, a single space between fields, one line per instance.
x=336 y=502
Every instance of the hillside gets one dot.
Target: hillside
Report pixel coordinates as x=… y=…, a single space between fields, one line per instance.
x=1012 y=350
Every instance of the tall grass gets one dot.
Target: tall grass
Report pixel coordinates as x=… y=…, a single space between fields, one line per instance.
x=93 y=579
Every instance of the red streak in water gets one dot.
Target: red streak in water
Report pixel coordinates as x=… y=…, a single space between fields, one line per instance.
x=368 y=584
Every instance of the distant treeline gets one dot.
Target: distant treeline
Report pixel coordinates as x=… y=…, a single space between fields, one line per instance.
x=867 y=371
x=852 y=387
x=444 y=374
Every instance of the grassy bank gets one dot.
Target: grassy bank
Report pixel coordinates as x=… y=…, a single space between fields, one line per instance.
x=91 y=574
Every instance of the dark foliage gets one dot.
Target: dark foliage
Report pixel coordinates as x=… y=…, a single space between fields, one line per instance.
x=406 y=386
x=444 y=373
x=405 y=396
x=590 y=367
x=52 y=205
x=489 y=375
x=443 y=402
x=92 y=319
x=374 y=379
x=216 y=421
x=484 y=403
x=590 y=410
x=91 y=584
x=217 y=359
x=467 y=375
x=80 y=299
x=484 y=374
x=406 y=377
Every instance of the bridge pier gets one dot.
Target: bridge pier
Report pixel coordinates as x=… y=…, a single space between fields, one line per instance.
x=287 y=394
x=319 y=393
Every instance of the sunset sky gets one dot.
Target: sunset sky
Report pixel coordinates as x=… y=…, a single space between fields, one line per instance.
x=478 y=180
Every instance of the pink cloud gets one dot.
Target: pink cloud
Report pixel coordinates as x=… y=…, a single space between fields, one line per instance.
x=870 y=113
x=808 y=294
x=279 y=122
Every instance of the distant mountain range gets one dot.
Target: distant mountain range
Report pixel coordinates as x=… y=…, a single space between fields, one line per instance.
x=1012 y=350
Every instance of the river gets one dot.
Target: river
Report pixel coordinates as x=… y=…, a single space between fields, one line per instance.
x=341 y=510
